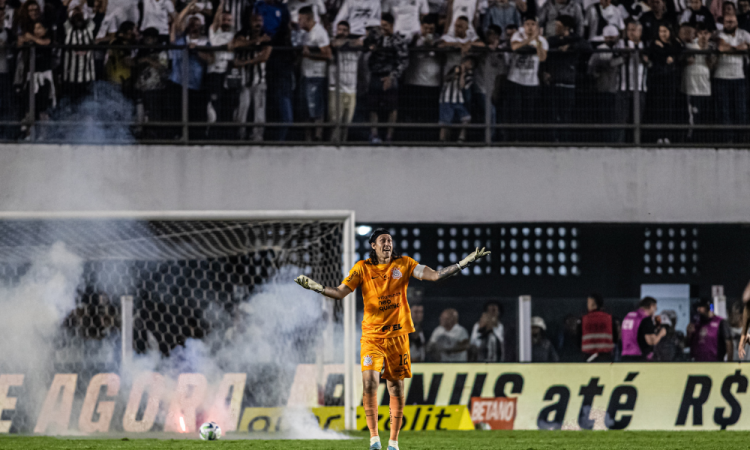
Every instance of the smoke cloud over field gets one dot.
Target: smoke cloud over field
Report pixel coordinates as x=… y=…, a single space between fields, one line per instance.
x=275 y=328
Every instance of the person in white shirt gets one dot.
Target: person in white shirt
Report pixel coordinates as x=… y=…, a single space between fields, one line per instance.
x=157 y=14
x=342 y=86
x=696 y=83
x=360 y=14
x=449 y=342
x=220 y=105
x=422 y=81
x=316 y=51
x=598 y=16
x=470 y=9
x=318 y=8
x=529 y=50
x=407 y=14
x=730 y=90
x=462 y=38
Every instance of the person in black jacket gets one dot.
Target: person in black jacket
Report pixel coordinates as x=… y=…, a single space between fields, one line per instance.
x=664 y=76
x=560 y=78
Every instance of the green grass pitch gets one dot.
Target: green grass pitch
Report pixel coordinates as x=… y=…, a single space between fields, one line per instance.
x=422 y=440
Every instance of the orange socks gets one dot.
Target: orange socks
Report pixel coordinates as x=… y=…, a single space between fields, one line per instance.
x=397 y=416
x=370 y=403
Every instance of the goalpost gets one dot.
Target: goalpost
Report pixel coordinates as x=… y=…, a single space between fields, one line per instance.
x=186 y=260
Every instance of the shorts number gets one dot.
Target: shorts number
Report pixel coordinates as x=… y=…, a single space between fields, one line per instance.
x=403 y=359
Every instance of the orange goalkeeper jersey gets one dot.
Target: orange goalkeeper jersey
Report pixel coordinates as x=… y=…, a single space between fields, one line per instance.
x=387 y=312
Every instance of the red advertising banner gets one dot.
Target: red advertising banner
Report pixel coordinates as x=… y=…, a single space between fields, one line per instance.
x=497 y=413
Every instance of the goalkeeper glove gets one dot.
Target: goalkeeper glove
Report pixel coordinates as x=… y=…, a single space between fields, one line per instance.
x=473 y=257
x=307 y=283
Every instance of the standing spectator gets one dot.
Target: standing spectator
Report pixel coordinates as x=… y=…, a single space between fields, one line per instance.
x=240 y=11
x=191 y=35
x=569 y=341
x=318 y=8
x=743 y=14
x=728 y=8
x=542 y=349
x=420 y=97
x=407 y=15
x=78 y=73
x=556 y=8
x=500 y=13
x=389 y=57
x=471 y=9
x=663 y=79
x=730 y=90
x=599 y=15
x=316 y=51
x=562 y=72
x=158 y=14
x=639 y=334
x=276 y=17
x=633 y=77
x=696 y=83
x=449 y=342
x=653 y=19
x=251 y=54
x=417 y=340
x=152 y=66
x=598 y=331
x=280 y=79
x=698 y=14
x=117 y=13
x=342 y=81
x=462 y=37
x=120 y=62
x=605 y=67
x=488 y=335
x=360 y=14
x=45 y=97
x=489 y=74
x=452 y=99
x=709 y=336
x=529 y=50
x=221 y=101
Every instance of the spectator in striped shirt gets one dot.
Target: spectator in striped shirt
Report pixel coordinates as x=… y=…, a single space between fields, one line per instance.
x=78 y=74
x=452 y=101
x=251 y=54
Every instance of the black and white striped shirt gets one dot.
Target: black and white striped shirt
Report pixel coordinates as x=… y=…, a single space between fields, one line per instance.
x=452 y=91
x=78 y=65
x=252 y=74
x=633 y=72
x=239 y=10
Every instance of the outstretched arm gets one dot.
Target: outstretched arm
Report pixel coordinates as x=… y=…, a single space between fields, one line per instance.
x=428 y=274
x=337 y=293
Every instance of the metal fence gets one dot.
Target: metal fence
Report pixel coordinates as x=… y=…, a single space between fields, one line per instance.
x=164 y=94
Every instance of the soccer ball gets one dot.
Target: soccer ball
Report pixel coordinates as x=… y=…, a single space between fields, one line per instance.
x=210 y=431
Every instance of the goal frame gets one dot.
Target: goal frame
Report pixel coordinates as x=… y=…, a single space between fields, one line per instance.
x=347 y=217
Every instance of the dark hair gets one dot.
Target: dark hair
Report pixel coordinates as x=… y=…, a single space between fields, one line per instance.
x=703 y=302
x=464 y=18
x=387 y=17
x=151 y=32
x=373 y=259
x=125 y=27
x=728 y=3
x=345 y=23
x=530 y=17
x=497 y=29
x=647 y=302
x=668 y=27
x=307 y=10
x=429 y=19
x=598 y=299
x=511 y=26
x=567 y=21
x=492 y=302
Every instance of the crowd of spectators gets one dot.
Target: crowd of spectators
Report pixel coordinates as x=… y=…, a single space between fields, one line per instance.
x=596 y=336
x=414 y=61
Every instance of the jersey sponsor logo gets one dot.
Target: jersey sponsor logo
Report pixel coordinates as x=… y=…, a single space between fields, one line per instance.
x=388 y=327
x=367 y=361
x=396 y=274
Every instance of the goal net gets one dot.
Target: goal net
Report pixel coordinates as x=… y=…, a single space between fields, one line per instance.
x=172 y=292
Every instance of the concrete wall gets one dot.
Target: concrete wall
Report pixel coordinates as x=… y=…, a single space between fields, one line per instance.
x=386 y=184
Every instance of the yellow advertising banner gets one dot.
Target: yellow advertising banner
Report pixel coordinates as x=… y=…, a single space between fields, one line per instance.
x=647 y=396
x=269 y=420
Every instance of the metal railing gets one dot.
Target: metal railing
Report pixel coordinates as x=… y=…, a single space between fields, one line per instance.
x=496 y=123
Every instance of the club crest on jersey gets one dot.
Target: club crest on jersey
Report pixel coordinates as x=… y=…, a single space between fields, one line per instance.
x=367 y=361
x=396 y=274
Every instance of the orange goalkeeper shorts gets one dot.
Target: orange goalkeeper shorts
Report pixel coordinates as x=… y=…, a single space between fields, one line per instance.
x=389 y=356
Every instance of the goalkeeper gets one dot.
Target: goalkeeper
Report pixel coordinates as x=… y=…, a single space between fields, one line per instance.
x=386 y=324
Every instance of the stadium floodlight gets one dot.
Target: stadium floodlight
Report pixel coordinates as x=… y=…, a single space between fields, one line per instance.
x=139 y=259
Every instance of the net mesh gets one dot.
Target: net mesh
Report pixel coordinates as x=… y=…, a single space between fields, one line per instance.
x=187 y=277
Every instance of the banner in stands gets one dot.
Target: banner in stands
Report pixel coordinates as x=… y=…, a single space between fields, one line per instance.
x=677 y=396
